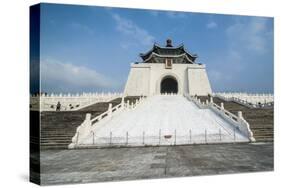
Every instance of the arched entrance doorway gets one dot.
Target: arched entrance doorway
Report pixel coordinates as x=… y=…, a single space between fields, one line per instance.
x=169 y=85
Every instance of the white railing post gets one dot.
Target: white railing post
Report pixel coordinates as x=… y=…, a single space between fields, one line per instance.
x=222 y=106
x=211 y=100
x=88 y=117
x=77 y=138
x=122 y=103
x=127 y=104
x=240 y=116
x=110 y=110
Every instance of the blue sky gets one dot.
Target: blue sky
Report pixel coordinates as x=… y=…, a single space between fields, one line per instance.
x=86 y=48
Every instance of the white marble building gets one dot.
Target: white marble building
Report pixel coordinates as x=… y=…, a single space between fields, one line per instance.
x=167 y=70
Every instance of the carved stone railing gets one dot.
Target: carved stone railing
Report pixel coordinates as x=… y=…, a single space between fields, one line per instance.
x=70 y=102
x=238 y=121
x=85 y=129
x=248 y=100
x=197 y=101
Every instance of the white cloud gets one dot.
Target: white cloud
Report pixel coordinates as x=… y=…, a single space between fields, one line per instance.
x=252 y=36
x=131 y=29
x=249 y=41
x=246 y=38
x=211 y=25
x=65 y=77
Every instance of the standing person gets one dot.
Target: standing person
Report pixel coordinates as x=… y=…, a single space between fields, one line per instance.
x=58 y=106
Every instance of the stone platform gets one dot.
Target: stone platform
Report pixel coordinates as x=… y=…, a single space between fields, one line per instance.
x=111 y=164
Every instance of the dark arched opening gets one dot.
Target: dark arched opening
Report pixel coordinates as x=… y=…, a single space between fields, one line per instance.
x=169 y=85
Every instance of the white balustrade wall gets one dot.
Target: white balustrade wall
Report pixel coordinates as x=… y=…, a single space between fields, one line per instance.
x=248 y=99
x=86 y=128
x=48 y=102
x=237 y=121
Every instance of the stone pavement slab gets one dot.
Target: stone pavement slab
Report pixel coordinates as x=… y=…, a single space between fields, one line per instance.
x=115 y=164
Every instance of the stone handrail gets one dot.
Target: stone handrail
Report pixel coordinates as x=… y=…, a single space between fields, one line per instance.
x=250 y=104
x=106 y=113
x=86 y=127
x=197 y=101
x=238 y=121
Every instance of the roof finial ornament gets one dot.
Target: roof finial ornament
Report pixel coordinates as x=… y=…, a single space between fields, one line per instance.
x=169 y=43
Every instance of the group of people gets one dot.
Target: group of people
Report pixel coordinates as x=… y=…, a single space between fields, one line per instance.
x=58 y=106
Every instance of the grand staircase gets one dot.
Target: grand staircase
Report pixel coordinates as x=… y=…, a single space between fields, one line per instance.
x=58 y=128
x=260 y=120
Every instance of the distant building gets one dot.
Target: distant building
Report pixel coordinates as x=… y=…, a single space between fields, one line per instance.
x=167 y=70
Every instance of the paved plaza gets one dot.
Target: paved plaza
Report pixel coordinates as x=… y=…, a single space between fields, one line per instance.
x=114 y=164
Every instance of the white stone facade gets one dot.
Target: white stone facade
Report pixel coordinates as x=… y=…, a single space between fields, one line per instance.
x=145 y=79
